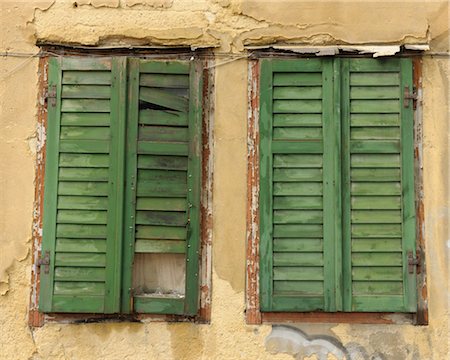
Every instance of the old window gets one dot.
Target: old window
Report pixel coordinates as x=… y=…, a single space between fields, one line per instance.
x=121 y=220
x=337 y=213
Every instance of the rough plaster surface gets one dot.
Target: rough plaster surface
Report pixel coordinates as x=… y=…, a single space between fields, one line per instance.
x=229 y=25
x=238 y=23
x=230 y=168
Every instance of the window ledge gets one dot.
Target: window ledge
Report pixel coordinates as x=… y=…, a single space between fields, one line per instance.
x=339 y=317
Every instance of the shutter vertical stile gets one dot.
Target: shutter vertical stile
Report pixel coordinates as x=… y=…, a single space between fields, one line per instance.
x=266 y=182
x=298 y=157
x=194 y=187
x=81 y=184
x=163 y=196
x=130 y=188
x=408 y=188
x=379 y=225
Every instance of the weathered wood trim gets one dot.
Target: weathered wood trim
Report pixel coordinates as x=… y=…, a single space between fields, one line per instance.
x=35 y=318
x=206 y=204
x=339 y=317
x=253 y=315
x=422 y=292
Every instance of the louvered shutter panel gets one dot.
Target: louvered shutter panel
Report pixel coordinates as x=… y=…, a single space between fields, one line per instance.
x=82 y=218
x=163 y=196
x=298 y=192
x=378 y=170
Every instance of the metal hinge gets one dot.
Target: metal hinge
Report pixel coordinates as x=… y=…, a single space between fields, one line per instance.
x=50 y=95
x=413 y=261
x=409 y=96
x=45 y=260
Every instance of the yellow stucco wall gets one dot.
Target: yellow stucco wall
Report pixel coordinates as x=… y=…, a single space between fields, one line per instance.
x=227 y=25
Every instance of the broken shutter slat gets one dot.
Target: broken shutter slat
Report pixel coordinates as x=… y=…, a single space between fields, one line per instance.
x=162 y=201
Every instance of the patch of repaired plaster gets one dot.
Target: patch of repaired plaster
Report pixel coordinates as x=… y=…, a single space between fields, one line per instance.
x=290 y=340
x=150 y=3
x=98 y=3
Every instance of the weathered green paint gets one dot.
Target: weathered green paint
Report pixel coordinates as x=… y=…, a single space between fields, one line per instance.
x=82 y=177
x=92 y=206
x=85 y=119
x=116 y=185
x=159 y=305
x=409 y=213
x=86 y=91
x=191 y=305
x=348 y=250
x=265 y=193
x=380 y=183
x=85 y=63
x=164 y=80
x=160 y=246
x=296 y=113
x=51 y=183
x=335 y=134
x=86 y=77
x=330 y=183
x=160 y=117
x=128 y=244
x=163 y=170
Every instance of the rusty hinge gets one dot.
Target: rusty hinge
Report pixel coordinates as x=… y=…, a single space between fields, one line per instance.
x=413 y=261
x=409 y=96
x=50 y=95
x=45 y=260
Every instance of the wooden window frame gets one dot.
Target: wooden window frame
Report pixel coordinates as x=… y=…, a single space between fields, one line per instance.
x=253 y=314
x=37 y=318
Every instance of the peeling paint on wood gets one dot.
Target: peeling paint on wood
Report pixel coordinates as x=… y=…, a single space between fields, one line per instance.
x=35 y=318
x=252 y=285
x=422 y=293
x=206 y=219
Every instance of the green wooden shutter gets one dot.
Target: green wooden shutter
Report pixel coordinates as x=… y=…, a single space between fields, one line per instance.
x=83 y=186
x=378 y=171
x=298 y=186
x=324 y=246
x=163 y=179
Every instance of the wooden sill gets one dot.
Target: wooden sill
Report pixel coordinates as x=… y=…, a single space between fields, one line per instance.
x=339 y=317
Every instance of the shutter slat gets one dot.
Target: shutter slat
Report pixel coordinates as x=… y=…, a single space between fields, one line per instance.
x=160 y=232
x=83 y=174
x=297 y=245
x=80 y=259
x=86 y=77
x=79 y=274
x=83 y=245
x=86 y=92
x=160 y=117
x=75 y=288
x=160 y=246
x=164 y=80
x=170 y=218
x=85 y=119
x=163 y=203
x=81 y=217
x=83 y=202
